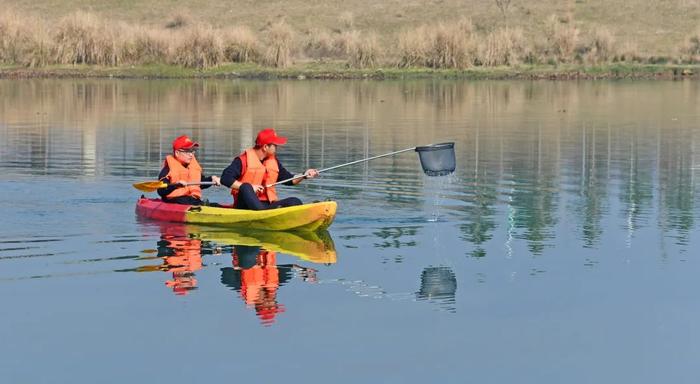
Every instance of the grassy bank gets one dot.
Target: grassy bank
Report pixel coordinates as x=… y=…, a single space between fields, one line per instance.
x=475 y=44
x=336 y=71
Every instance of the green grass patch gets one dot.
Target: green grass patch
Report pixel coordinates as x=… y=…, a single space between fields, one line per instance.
x=338 y=71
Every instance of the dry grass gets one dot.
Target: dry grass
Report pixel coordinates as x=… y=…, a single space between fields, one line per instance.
x=691 y=50
x=413 y=47
x=83 y=38
x=347 y=20
x=179 y=19
x=561 y=38
x=147 y=46
x=23 y=40
x=449 y=47
x=280 y=40
x=363 y=51
x=443 y=46
x=658 y=28
x=505 y=46
x=199 y=47
x=322 y=44
x=87 y=38
x=600 y=46
x=628 y=52
x=240 y=45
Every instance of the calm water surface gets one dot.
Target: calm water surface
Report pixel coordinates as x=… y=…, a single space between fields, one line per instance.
x=563 y=249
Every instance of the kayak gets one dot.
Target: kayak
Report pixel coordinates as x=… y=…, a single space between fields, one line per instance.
x=308 y=217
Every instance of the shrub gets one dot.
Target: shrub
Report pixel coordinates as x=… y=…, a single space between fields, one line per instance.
x=147 y=46
x=83 y=38
x=414 y=47
x=318 y=44
x=363 y=51
x=240 y=45
x=691 y=50
x=600 y=46
x=442 y=46
x=23 y=40
x=280 y=39
x=504 y=46
x=561 y=40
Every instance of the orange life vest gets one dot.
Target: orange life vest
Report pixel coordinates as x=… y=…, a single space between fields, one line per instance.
x=178 y=172
x=258 y=173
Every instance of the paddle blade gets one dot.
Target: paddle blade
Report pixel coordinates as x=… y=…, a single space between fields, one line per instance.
x=150 y=186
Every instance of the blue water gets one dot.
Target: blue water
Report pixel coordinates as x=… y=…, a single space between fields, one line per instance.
x=561 y=250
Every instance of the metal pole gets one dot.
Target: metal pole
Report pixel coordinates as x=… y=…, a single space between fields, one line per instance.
x=343 y=165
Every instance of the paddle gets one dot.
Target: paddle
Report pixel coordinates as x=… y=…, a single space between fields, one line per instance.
x=435 y=159
x=152 y=186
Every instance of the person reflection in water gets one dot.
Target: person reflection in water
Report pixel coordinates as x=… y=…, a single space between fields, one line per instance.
x=256 y=276
x=181 y=257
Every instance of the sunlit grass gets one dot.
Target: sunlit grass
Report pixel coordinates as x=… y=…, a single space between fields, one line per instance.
x=181 y=40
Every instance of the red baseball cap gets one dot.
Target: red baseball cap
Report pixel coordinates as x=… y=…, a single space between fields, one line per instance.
x=269 y=136
x=184 y=142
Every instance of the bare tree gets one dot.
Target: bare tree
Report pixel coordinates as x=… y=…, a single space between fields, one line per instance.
x=503 y=7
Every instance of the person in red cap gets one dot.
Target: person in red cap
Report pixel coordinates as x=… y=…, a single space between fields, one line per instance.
x=252 y=170
x=183 y=174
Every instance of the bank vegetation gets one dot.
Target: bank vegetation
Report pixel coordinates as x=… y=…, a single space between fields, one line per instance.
x=83 y=38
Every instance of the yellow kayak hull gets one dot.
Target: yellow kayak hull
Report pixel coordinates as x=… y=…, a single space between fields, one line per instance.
x=307 y=217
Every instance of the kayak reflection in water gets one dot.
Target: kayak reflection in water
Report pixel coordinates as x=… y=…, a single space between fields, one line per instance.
x=256 y=276
x=252 y=170
x=183 y=174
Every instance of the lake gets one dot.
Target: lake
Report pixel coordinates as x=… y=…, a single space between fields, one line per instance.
x=561 y=250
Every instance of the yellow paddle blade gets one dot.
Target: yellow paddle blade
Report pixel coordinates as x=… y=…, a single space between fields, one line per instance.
x=150 y=186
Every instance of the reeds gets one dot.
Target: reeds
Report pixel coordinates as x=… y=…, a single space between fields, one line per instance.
x=199 y=47
x=147 y=46
x=561 y=39
x=442 y=46
x=363 y=51
x=692 y=48
x=23 y=41
x=600 y=46
x=504 y=46
x=279 y=39
x=83 y=38
x=86 y=38
x=240 y=45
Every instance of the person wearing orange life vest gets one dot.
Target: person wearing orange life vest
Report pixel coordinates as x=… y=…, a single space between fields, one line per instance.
x=181 y=170
x=251 y=171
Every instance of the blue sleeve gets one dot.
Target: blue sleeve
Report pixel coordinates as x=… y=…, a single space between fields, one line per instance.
x=232 y=172
x=163 y=192
x=284 y=174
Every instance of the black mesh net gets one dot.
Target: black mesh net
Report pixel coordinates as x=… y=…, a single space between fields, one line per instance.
x=437 y=159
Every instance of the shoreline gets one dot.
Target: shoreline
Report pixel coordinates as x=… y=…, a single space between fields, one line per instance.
x=340 y=72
